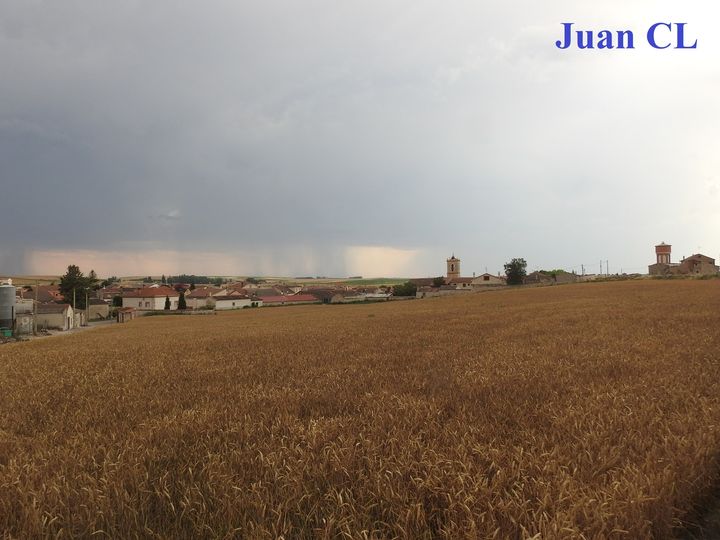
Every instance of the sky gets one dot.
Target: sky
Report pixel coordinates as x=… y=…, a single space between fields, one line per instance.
x=373 y=138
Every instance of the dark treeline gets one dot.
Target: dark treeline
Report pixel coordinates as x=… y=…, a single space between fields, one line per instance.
x=192 y=279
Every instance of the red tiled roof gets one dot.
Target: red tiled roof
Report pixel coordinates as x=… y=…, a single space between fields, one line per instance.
x=46 y=293
x=288 y=299
x=238 y=294
x=203 y=292
x=52 y=308
x=152 y=292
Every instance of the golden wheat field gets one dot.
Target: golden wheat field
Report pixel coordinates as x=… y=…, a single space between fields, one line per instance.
x=582 y=411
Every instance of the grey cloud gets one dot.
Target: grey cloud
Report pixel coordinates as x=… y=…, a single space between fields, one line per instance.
x=418 y=125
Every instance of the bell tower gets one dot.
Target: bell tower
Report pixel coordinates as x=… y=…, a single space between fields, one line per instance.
x=453 y=268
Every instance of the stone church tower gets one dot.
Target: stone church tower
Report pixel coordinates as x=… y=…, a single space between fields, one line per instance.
x=453 y=268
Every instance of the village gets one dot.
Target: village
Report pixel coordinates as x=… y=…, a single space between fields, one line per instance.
x=38 y=309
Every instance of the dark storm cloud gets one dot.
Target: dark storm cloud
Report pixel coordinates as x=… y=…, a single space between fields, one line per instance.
x=259 y=126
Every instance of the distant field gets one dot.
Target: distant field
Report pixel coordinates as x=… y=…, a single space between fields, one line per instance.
x=588 y=410
x=32 y=280
x=374 y=281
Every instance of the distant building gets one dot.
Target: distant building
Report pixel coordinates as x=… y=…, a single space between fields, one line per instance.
x=699 y=265
x=55 y=316
x=544 y=277
x=45 y=293
x=538 y=278
x=283 y=300
x=565 y=277
x=98 y=309
x=203 y=297
x=695 y=265
x=663 y=264
x=454 y=282
x=460 y=282
x=235 y=301
x=125 y=314
x=488 y=280
x=453 y=268
x=151 y=298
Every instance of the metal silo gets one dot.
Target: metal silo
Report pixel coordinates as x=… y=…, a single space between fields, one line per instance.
x=7 y=306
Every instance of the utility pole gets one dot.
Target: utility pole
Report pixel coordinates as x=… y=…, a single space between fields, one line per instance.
x=74 y=297
x=601 y=267
x=87 y=308
x=583 y=269
x=607 y=268
x=35 y=308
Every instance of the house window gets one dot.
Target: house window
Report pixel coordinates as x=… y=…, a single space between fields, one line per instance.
x=486 y=278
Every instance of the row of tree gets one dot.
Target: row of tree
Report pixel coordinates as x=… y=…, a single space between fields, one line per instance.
x=192 y=279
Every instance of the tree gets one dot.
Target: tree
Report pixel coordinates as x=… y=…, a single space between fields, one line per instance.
x=167 y=302
x=163 y=280
x=515 y=271
x=109 y=281
x=406 y=289
x=93 y=280
x=192 y=285
x=75 y=286
x=181 y=303
x=438 y=281
x=117 y=301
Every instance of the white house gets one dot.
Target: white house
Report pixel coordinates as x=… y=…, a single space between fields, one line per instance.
x=235 y=302
x=148 y=298
x=203 y=297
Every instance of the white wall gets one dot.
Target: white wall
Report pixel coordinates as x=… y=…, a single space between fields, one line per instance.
x=200 y=303
x=156 y=303
x=235 y=303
